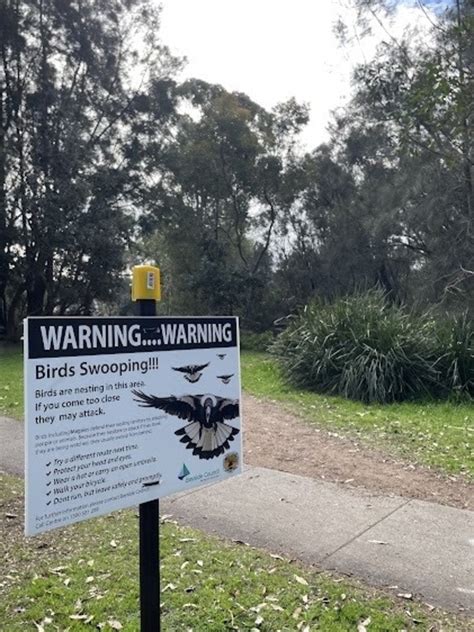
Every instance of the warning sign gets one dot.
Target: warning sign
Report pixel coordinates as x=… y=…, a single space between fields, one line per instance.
x=120 y=411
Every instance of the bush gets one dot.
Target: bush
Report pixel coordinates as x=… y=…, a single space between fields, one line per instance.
x=454 y=354
x=366 y=349
x=251 y=341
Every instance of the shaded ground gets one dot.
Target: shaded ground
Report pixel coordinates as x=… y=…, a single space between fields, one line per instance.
x=276 y=439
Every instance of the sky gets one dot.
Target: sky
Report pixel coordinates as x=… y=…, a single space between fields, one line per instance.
x=276 y=49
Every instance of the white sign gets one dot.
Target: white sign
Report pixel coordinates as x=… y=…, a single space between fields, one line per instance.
x=120 y=411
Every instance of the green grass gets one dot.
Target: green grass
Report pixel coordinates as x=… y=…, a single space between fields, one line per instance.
x=84 y=577
x=438 y=434
x=11 y=381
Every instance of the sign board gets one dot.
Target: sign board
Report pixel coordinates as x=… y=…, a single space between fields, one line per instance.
x=121 y=411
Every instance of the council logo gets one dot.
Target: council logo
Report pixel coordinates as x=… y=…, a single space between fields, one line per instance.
x=231 y=462
x=183 y=472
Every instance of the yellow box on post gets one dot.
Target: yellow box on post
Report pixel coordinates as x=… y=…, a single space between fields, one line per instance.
x=146 y=283
x=146 y=290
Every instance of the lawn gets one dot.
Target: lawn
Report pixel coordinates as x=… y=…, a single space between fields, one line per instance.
x=11 y=381
x=436 y=433
x=84 y=577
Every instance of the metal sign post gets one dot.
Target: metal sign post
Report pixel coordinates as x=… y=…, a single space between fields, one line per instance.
x=145 y=292
x=121 y=411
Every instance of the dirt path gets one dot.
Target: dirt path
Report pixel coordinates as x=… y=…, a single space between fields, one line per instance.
x=276 y=439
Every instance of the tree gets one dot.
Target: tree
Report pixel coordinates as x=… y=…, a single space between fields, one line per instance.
x=220 y=200
x=388 y=200
x=423 y=96
x=81 y=86
x=428 y=100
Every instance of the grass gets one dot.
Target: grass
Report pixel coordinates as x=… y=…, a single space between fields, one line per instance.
x=84 y=577
x=438 y=434
x=435 y=433
x=11 y=381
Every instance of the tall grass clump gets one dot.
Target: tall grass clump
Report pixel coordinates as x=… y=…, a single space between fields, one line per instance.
x=364 y=348
x=454 y=354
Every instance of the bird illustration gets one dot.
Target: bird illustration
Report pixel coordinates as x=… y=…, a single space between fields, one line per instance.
x=206 y=434
x=225 y=378
x=192 y=372
x=221 y=356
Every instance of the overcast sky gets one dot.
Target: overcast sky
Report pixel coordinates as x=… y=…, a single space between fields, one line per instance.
x=274 y=49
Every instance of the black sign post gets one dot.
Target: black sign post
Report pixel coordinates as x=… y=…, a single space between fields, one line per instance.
x=146 y=282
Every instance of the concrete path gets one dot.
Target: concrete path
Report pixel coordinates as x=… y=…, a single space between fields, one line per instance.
x=12 y=439
x=415 y=546
x=409 y=545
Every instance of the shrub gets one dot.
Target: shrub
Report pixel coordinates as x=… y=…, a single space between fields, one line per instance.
x=367 y=349
x=251 y=341
x=454 y=354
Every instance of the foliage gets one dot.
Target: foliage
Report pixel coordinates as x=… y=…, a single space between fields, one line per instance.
x=364 y=348
x=85 y=94
x=11 y=381
x=105 y=160
x=86 y=576
x=250 y=341
x=388 y=200
x=220 y=201
x=432 y=432
x=454 y=353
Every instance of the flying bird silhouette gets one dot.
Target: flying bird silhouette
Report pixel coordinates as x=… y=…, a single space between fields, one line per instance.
x=192 y=372
x=225 y=378
x=221 y=356
x=206 y=434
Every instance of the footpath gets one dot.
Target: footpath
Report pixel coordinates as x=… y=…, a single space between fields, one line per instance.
x=415 y=548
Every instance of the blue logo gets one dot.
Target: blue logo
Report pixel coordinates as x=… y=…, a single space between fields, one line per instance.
x=183 y=473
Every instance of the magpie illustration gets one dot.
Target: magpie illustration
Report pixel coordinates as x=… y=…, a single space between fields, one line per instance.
x=221 y=356
x=225 y=378
x=206 y=434
x=192 y=372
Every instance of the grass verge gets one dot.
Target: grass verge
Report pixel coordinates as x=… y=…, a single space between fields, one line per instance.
x=11 y=381
x=84 y=577
x=438 y=434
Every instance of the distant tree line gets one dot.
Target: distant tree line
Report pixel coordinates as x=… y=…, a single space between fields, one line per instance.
x=106 y=159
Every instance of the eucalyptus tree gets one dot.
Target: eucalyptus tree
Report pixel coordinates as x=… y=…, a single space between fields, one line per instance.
x=424 y=98
x=221 y=198
x=82 y=83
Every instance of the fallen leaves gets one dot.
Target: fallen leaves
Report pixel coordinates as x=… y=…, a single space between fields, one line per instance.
x=85 y=618
x=362 y=626
x=215 y=577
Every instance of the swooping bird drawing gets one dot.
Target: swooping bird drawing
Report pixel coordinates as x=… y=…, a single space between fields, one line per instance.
x=206 y=434
x=225 y=378
x=192 y=372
